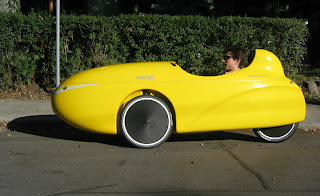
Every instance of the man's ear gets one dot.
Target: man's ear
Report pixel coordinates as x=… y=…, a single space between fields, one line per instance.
x=238 y=62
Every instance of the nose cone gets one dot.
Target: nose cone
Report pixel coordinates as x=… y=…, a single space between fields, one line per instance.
x=72 y=103
x=61 y=103
x=87 y=107
x=71 y=97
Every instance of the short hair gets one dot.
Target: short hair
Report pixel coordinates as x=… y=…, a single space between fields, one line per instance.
x=237 y=53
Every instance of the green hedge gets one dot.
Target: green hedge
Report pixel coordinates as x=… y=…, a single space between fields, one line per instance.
x=27 y=43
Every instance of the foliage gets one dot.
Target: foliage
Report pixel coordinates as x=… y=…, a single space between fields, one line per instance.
x=27 y=43
x=18 y=50
x=300 y=79
x=172 y=7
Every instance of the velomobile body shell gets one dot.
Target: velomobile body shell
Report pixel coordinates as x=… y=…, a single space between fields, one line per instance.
x=254 y=97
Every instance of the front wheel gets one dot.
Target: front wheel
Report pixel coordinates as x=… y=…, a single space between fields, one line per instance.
x=276 y=134
x=146 y=121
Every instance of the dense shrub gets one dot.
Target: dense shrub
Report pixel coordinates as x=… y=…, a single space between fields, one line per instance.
x=27 y=43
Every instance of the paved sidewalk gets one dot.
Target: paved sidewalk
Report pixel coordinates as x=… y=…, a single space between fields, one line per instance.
x=11 y=109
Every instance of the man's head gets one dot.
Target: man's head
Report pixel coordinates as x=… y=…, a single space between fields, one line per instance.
x=234 y=58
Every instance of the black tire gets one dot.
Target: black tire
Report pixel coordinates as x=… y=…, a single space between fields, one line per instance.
x=276 y=134
x=146 y=121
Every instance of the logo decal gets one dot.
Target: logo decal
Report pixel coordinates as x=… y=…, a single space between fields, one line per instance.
x=144 y=77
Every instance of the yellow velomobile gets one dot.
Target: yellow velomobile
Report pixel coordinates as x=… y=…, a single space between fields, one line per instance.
x=147 y=101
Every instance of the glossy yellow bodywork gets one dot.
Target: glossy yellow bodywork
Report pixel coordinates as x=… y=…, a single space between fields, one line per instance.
x=253 y=97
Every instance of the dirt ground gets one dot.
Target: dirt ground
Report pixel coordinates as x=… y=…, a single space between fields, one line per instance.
x=25 y=92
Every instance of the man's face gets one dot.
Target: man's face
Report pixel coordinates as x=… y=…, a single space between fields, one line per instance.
x=229 y=63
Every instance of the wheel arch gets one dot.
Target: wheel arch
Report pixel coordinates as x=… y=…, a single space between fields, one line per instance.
x=151 y=92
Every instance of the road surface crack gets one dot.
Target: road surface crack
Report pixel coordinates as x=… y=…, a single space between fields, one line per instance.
x=246 y=167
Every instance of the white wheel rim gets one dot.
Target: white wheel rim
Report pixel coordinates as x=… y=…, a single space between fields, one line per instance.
x=129 y=137
x=268 y=138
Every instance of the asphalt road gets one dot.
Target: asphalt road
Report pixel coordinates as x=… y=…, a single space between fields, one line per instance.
x=40 y=155
x=43 y=156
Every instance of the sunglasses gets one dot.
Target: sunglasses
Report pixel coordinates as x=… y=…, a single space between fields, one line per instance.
x=226 y=57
